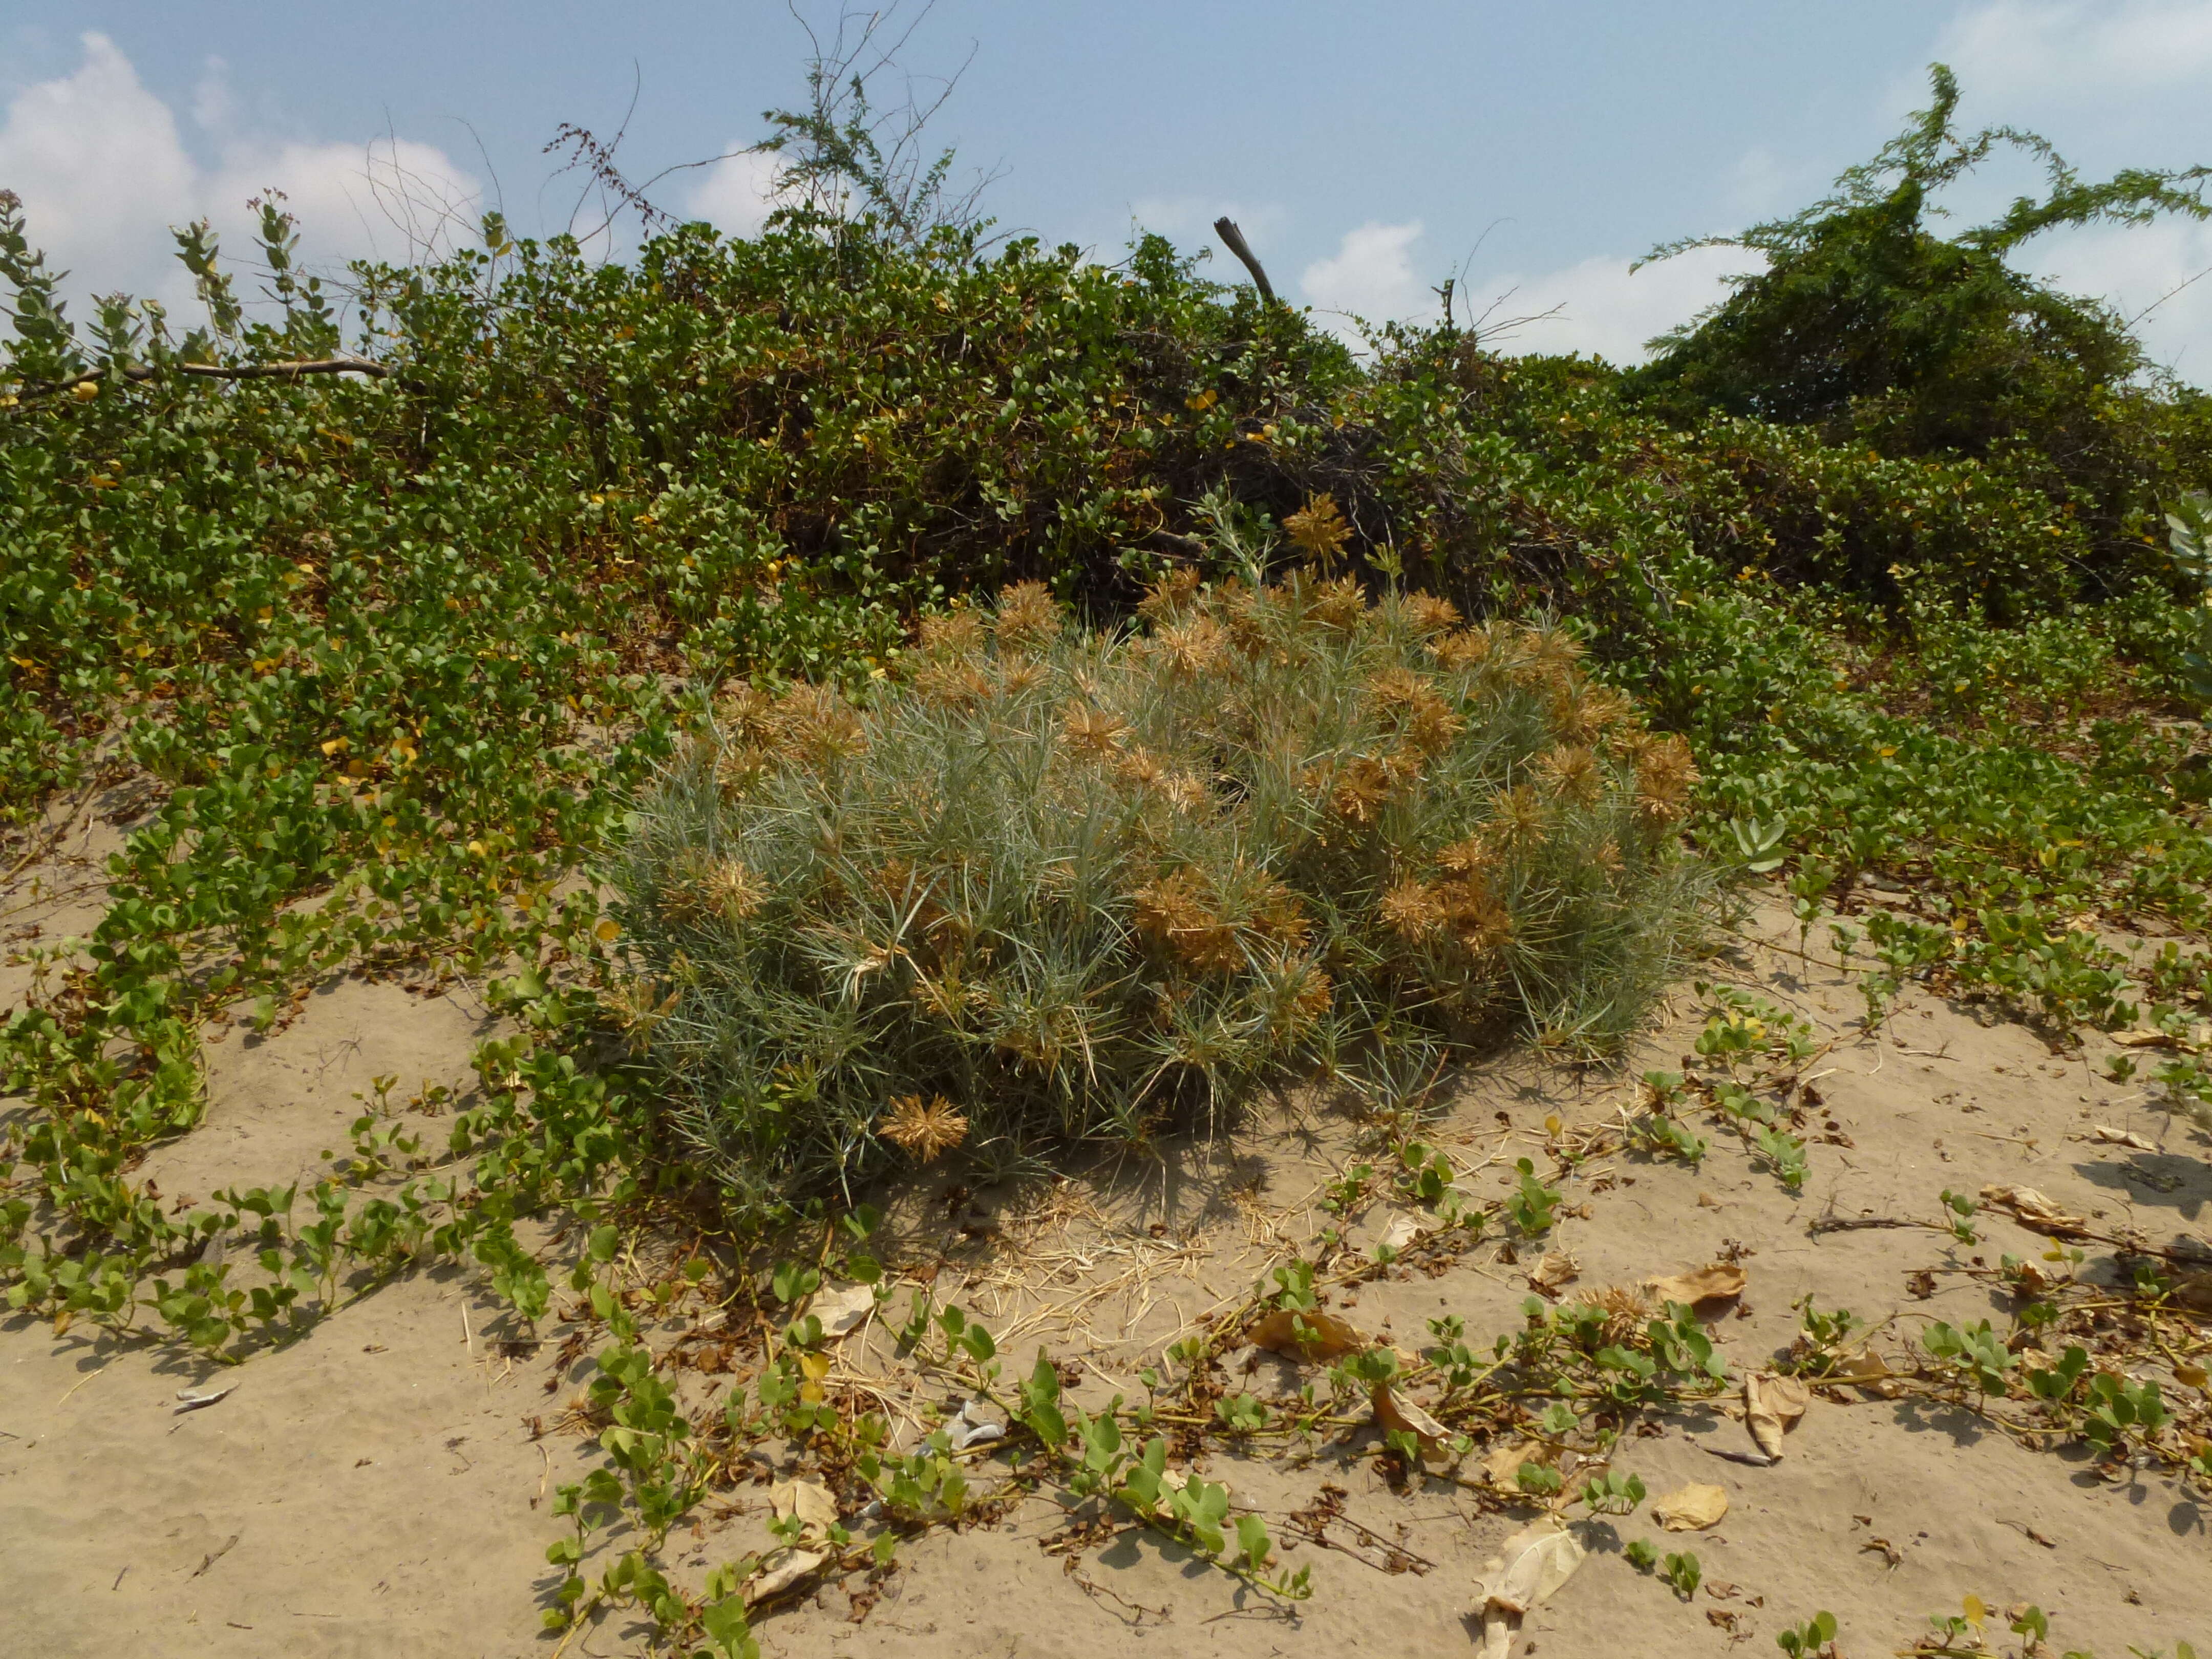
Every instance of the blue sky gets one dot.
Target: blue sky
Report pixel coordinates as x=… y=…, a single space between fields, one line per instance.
x=1368 y=151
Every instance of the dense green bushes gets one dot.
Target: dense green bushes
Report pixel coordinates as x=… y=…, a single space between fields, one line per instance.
x=1066 y=886
x=389 y=654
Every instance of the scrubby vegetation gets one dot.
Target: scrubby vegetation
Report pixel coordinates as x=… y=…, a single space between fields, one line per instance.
x=1059 y=884
x=1336 y=710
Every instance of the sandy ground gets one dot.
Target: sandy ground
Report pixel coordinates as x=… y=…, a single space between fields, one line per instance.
x=381 y=1486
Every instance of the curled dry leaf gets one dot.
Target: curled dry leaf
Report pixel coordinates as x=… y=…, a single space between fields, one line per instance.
x=1329 y=1337
x=1692 y=1508
x=972 y=1427
x=1504 y=1463
x=1870 y=1372
x=2112 y=1137
x=1529 y=1567
x=2034 y=1212
x=189 y=1400
x=1717 y=1282
x=2142 y=1038
x=1397 y=1416
x=1553 y=1273
x=1772 y=1405
x=783 y=1569
x=842 y=1311
x=1401 y=1230
x=809 y=1500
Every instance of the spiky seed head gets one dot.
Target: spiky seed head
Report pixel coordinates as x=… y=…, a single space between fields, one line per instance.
x=924 y=1129
x=1029 y=617
x=1338 y=605
x=950 y=633
x=1170 y=596
x=1318 y=531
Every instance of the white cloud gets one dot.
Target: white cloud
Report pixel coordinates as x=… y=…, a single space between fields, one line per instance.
x=736 y=193
x=104 y=173
x=1602 y=307
x=1598 y=305
x=2077 y=50
x=98 y=162
x=1370 y=275
x=2149 y=273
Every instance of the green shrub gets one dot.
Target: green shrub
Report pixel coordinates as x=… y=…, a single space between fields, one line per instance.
x=1057 y=885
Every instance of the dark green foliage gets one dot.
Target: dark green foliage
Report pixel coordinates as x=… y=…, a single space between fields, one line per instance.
x=1867 y=324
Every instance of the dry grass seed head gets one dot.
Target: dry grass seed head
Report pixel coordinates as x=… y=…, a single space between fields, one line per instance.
x=1318 y=531
x=1426 y=719
x=739 y=767
x=954 y=683
x=1338 y=605
x=812 y=723
x=950 y=633
x=1597 y=711
x=924 y=1129
x=1472 y=856
x=1474 y=914
x=1572 y=773
x=1190 y=648
x=1029 y=617
x=733 y=890
x=1092 y=733
x=1361 y=789
x=1178 y=913
x=1169 y=597
x=1469 y=649
x=743 y=711
x=1425 y=615
x=1273 y=912
x=637 y=1006
x=1299 y=994
x=1665 y=776
x=1413 y=910
x=1519 y=817
x=1626 y=1311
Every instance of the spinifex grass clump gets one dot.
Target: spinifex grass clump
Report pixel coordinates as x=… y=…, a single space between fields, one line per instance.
x=1059 y=885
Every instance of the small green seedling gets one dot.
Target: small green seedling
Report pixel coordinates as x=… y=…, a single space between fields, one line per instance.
x=1810 y=1639
x=1958 y=1211
x=1683 y=1572
x=1532 y=1202
x=1612 y=1493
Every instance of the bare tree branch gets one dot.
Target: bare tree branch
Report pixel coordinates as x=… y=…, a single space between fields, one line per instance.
x=1226 y=229
x=140 y=371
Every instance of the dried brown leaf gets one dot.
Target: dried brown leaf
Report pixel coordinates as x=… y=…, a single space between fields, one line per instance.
x=1329 y=1337
x=1692 y=1508
x=1396 y=1416
x=1717 y=1282
x=1772 y=1407
x=791 y=1566
x=809 y=1500
x=2034 y=1212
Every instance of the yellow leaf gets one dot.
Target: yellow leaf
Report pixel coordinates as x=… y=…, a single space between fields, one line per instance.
x=1975 y=1611
x=1715 y=1283
x=1692 y=1508
x=607 y=931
